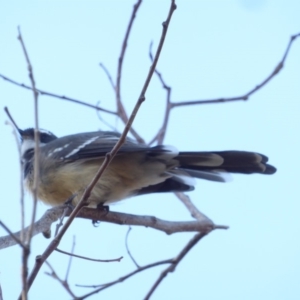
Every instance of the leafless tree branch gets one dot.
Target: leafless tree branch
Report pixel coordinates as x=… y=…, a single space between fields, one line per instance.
x=70 y=259
x=127 y=248
x=107 y=73
x=121 y=279
x=195 y=212
x=12 y=236
x=26 y=250
x=44 y=93
x=64 y=283
x=120 y=107
x=176 y=261
x=22 y=238
x=169 y=227
x=246 y=96
x=88 y=258
x=160 y=136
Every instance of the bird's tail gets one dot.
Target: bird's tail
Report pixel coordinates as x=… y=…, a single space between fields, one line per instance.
x=214 y=165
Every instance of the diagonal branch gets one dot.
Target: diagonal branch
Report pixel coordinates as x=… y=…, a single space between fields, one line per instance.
x=176 y=261
x=120 y=107
x=64 y=283
x=123 y=278
x=195 y=212
x=44 y=93
x=160 y=136
x=246 y=96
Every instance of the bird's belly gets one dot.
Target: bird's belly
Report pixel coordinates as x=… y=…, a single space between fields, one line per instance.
x=120 y=180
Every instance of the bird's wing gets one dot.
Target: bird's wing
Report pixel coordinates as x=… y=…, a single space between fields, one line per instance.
x=89 y=145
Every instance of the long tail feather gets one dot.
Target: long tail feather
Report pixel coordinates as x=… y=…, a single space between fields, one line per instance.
x=230 y=161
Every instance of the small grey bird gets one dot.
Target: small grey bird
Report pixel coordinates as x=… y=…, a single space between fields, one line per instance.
x=68 y=164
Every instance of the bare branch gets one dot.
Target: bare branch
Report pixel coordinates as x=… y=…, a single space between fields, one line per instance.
x=15 y=128
x=123 y=278
x=108 y=76
x=246 y=96
x=64 y=283
x=121 y=113
x=42 y=225
x=127 y=248
x=88 y=258
x=169 y=227
x=195 y=212
x=16 y=238
x=70 y=259
x=121 y=110
x=173 y=264
x=26 y=250
x=44 y=93
x=162 y=131
x=36 y=133
x=104 y=121
x=176 y=261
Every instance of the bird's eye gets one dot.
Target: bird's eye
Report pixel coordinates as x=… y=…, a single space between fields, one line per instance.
x=28 y=154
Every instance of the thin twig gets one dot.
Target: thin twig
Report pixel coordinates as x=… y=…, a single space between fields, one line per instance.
x=70 y=260
x=12 y=235
x=60 y=223
x=176 y=261
x=195 y=212
x=15 y=129
x=36 y=132
x=107 y=73
x=159 y=138
x=127 y=248
x=121 y=112
x=246 y=96
x=64 y=283
x=120 y=107
x=35 y=167
x=121 y=279
x=103 y=121
x=44 y=93
x=88 y=258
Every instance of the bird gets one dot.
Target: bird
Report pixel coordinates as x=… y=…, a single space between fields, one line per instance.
x=68 y=164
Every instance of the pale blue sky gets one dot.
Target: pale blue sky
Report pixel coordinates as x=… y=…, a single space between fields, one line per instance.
x=213 y=49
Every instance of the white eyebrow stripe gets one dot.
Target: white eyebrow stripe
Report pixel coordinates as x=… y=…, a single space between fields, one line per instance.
x=81 y=146
x=29 y=144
